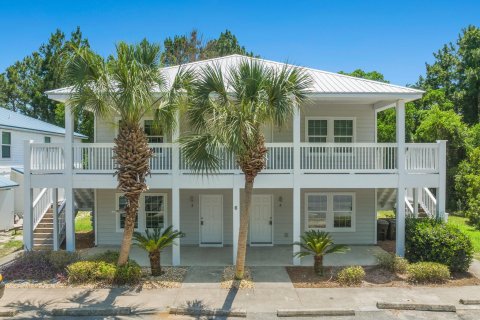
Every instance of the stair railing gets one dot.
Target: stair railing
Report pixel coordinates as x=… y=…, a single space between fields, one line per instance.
x=408 y=206
x=428 y=202
x=40 y=205
x=61 y=223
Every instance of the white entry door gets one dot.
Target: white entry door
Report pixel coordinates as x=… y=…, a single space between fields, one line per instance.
x=211 y=220
x=261 y=220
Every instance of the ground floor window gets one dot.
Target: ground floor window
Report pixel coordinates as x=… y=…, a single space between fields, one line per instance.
x=151 y=214
x=330 y=211
x=154 y=211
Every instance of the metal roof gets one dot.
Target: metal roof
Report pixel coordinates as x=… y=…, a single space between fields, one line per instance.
x=6 y=183
x=323 y=82
x=13 y=120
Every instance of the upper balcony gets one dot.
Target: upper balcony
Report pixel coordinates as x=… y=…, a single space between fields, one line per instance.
x=282 y=158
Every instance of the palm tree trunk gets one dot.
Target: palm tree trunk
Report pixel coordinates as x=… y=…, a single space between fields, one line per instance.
x=243 y=232
x=318 y=265
x=132 y=155
x=155 y=266
x=130 y=215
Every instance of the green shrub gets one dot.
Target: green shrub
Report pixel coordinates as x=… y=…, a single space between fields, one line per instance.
x=104 y=272
x=435 y=241
x=427 y=272
x=128 y=274
x=392 y=262
x=351 y=276
x=91 y=272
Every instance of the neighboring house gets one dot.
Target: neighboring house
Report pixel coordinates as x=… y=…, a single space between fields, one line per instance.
x=325 y=170
x=15 y=129
x=6 y=203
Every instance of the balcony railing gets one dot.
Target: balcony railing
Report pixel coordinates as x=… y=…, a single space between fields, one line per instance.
x=313 y=158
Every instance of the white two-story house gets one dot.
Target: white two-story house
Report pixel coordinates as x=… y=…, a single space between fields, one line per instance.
x=325 y=170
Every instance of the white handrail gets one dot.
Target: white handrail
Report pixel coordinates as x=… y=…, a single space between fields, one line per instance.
x=40 y=205
x=61 y=223
x=428 y=202
x=408 y=206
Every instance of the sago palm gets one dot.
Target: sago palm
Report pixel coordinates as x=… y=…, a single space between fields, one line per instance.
x=154 y=242
x=318 y=244
x=227 y=111
x=128 y=86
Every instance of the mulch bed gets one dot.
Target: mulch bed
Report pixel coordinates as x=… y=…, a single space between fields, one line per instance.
x=304 y=277
x=387 y=245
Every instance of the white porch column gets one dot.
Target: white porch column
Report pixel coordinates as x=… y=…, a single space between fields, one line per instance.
x=56 y=245
x=442 y=183
x=27 y=198
x=415 y=201
x=296 y=184
x=175 y=189
x=400 y=214
x=236 y=219
x=69 y=198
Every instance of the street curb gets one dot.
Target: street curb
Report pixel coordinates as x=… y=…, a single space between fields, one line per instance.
x=417 y=307
x=89 y=311
x=313 y=313
x=6 y=312
x=239 y=313
x=469 y=301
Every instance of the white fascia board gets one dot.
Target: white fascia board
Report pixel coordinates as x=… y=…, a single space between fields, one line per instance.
x=407 y=97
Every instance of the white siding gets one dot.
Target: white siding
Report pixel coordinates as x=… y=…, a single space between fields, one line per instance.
x=17 y=146
x=106 y=217
x=6 y=208
x=365 y=217
x=282 y=220
x=364 y=118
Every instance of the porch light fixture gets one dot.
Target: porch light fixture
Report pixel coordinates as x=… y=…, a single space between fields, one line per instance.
x=280 y=201
x=191 y=201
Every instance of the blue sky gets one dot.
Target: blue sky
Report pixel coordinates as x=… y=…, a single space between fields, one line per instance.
x=393 y=37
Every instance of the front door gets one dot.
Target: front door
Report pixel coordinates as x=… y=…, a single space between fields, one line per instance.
x=211 y=220
x=261 y=220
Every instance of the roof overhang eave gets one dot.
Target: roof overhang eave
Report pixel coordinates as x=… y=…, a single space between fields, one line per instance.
x=407 y=97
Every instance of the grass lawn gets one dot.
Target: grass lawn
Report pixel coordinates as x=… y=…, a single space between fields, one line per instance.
x=474 y=234
x=82 y=222
x=10 y=246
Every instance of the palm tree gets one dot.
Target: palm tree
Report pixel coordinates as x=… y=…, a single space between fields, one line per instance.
x=227 y=112
x=128 y=85
x=154 y=242
x=318 y=244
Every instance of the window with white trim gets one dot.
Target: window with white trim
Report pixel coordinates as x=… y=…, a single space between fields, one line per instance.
x=120 y=209
x=329 y=129
x=330 y=211
x=47 y=139
x=343 y=130
x=6 y=145
x=154 y=207
x=153 y=132
x=317 y=211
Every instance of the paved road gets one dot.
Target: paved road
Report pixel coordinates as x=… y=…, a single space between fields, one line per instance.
x=364 y=315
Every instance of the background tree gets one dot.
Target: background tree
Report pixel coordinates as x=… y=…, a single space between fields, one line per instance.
x=24 y=83
x=227 y=111
x=128 y=85
x=183 y=49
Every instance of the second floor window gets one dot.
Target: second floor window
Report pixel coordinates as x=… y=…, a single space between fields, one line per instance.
x=6 y=145
x=330 y=130
x=47 y=139
x=154 y=133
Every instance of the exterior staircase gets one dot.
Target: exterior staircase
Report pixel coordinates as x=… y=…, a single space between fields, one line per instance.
x=386 y=200
x=43 y=233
